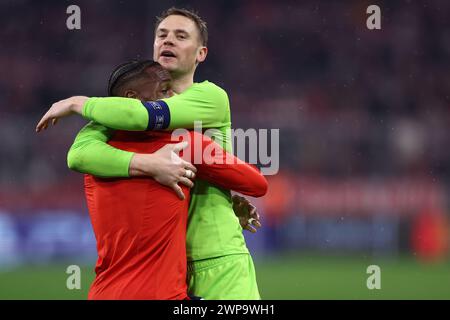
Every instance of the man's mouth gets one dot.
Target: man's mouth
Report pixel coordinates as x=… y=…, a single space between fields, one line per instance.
x=168 y=54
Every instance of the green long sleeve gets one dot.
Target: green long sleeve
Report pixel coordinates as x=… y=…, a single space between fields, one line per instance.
x=117 y=113
x=91 y=154
x=204 y=102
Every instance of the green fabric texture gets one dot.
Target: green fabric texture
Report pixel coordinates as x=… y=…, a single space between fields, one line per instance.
x=117 y=113
x=237 y=280
x=91 y=154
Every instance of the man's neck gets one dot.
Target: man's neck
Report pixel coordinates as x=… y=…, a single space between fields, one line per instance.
x=182 y=82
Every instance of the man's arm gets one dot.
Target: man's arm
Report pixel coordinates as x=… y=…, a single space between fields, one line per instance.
x=204 y=102
x=224 y=169
x=91 y=154
x=227 y=171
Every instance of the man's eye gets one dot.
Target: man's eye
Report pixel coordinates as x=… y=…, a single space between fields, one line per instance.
x=182 y=36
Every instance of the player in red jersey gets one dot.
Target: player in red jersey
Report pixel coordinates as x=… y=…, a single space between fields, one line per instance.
x=140 y=225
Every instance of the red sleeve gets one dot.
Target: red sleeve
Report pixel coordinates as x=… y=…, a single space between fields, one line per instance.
x=224 y=169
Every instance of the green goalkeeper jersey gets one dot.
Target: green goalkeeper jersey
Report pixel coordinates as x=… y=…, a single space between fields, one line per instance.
x=213 y=229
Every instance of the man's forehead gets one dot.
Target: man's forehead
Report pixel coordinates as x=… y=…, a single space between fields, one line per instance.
x=159 y=73
x=177 y=22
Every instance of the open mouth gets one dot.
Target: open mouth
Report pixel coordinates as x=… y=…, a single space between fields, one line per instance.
x=167 y=53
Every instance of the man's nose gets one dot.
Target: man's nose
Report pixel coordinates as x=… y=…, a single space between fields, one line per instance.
x=168 y=40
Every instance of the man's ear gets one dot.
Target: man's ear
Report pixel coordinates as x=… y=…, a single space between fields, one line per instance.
x=130 y=94
x=201 y=54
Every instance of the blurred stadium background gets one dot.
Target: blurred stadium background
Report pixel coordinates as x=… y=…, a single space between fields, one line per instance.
x=364 y=119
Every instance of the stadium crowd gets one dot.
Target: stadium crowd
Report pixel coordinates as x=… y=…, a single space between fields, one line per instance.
x=349 y=102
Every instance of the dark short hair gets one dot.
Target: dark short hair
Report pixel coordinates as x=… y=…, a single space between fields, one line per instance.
x=192 y=15
x=127 y=71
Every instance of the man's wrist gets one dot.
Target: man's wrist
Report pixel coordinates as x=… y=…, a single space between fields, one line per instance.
x=140 y=165
x=78 y=103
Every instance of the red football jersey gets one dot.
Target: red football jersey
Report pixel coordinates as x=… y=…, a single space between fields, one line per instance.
x=140 y=225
